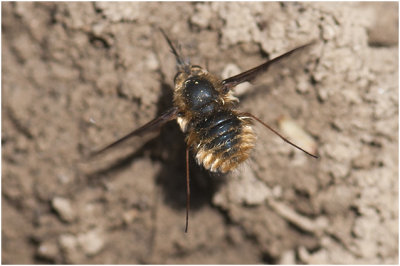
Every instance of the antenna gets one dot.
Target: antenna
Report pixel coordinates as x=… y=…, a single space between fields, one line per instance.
x=179 y=60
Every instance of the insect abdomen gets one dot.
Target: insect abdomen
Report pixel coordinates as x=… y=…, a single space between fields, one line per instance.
x=221 y=140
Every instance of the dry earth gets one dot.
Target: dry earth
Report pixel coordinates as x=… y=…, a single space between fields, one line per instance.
x=76 y=76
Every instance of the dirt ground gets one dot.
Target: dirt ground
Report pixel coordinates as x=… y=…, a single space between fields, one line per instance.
x=76 y=76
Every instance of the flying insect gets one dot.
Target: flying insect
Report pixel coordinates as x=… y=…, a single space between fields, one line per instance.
x=220 y=136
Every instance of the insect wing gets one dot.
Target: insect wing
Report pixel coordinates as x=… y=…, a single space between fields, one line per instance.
x=153 y=125
x=251 y=74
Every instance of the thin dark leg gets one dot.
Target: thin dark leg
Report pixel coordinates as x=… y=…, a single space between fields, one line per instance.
x=282 y=137
x=187 y=190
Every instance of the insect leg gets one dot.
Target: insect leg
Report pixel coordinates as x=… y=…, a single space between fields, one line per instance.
x=187 y=190
x=282 y=137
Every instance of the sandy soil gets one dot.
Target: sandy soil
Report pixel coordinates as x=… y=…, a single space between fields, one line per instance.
x=76 y=76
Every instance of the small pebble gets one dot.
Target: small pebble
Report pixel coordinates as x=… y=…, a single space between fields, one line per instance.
x=91 y=242
x=48 y=251
x=67 y=242
x=129 y=216
x=69 y=246
x=297 y=134
x=63 y=208
x=288 y=258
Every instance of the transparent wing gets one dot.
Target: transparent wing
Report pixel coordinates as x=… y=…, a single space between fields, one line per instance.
x=151 y=126
x=251 y=74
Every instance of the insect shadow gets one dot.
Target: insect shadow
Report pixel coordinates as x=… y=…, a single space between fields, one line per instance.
x=169 y=148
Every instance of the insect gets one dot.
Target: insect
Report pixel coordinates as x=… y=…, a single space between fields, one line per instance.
x=220 y=136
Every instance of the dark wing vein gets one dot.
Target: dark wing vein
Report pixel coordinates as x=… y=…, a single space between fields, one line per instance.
x=250 y=74
x=154 y=124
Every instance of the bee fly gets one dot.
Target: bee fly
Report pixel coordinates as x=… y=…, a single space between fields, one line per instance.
x=203 y=105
